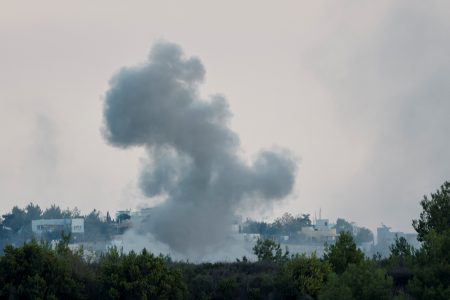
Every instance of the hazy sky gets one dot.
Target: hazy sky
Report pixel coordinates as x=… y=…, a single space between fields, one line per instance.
x=359 y=91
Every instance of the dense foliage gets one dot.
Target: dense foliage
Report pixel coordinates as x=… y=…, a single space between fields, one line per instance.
x=285 y=225
x=138 y=276
x=268 y=250
x=431 y=264
x=35 y=270
x=343 y=253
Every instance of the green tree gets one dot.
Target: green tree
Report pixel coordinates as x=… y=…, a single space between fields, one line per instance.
x=343 y=253
x=432 y=261
x=202 y=287
x=343 y=226
x=364 y=281
x=432 y=270
x=35 y=271
x=268 y=250
x=256 y=227
x=53 y=212
x=303 y=276
x=95 y=228
x=138 y=276
x=436 y=213
x=227 y=289
x=16 y=219
x=75 y=213
x=401 y=248
x=33 y=212
x=285 y=225
x=400 y=262
x=364 y=235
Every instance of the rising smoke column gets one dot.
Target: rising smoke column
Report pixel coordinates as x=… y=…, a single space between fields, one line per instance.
x=193 y=154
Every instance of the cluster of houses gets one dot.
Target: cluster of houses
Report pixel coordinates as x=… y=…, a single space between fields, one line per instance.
x=309 y=239
x=313 y=238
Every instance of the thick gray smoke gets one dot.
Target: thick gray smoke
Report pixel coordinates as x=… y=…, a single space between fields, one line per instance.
x=193 y=154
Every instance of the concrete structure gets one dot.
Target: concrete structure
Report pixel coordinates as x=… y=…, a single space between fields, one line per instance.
x=366 y=247
x=123 y=215
x=322 y=224
x=77 y=225
x=386 y=237
x=57 y=225
x=355 y=228
x=321 y=232
x=251 y=237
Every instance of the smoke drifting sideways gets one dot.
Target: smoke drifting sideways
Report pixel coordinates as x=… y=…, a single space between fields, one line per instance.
x=193 y=156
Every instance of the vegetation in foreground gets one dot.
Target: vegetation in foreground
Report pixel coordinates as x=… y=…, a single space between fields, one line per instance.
x=37 y=271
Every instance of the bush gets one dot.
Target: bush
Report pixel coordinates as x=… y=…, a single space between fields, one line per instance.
x=35 y=271
x=268 y=250
x=363 y=282
x=343 y=253
x=138 y=276
x=303 y=276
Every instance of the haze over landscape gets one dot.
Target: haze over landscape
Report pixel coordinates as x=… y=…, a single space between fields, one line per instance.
x=359 y=94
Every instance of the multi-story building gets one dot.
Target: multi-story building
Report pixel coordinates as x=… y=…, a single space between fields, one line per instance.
x=321 y=231
x=57 y=225
x=386 y=237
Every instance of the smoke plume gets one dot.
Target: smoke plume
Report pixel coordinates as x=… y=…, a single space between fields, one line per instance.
x=193 y=155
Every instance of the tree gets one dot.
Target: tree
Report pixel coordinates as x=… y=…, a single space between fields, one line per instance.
x=227 y=289
x=436 y=213
x=401 y=248
x=400 y=262
x=15 y=220
x=343 y=226
x=268 y=250
x=364 y=235
x=285 y=225
x=343 y=253
x=35 y=271
x=95 y=228
x=138 y=276
x=288 y=224
x=108 y=218
x=202 y=287
x=33 y=212
x=303 y=276
x=432 y=270
x=364 y=281
x=53 y=212
x=75 y=213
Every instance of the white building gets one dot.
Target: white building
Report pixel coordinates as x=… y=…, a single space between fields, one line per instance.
x=321 y=231
x=57 y=225
x=385 y=238
x=322 y=224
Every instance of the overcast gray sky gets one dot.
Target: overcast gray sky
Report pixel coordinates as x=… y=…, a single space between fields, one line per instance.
x=358 y=90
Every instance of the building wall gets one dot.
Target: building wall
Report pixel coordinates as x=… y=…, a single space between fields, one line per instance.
x=385 y=238
x=51 y=225
x=78 y=225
